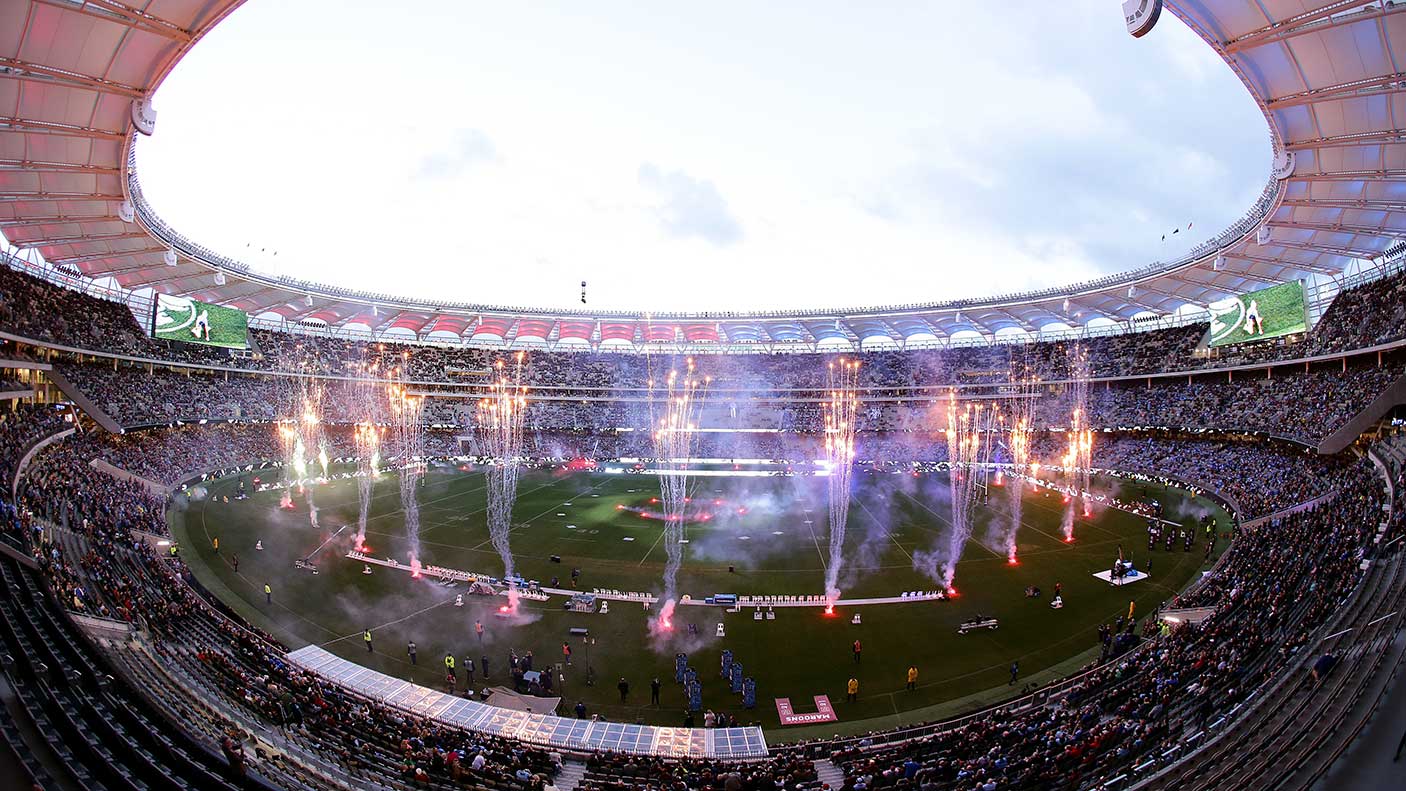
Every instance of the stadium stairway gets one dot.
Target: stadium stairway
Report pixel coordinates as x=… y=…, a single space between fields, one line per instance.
x=829 y=774
x=101 y=735
x=83 y=402
x=571 y=774
x=1389 y=399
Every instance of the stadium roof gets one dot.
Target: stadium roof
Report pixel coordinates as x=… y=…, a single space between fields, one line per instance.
x=76 y=77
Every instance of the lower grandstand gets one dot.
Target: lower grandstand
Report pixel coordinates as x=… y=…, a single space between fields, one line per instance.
x=186 y=643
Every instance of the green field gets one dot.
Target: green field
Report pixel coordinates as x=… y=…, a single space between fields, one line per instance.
x=774 y=550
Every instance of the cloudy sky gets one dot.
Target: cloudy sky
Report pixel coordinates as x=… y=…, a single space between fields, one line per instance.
x=700 y=156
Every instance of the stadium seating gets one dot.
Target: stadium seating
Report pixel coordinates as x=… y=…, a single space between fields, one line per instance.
x=187 y=695
x=1361 y=317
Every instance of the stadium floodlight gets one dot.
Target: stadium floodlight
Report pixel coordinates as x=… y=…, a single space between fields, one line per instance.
x=307 y=300
x=169 y=257
x=219 y=277
x=1132 y=291
x=143 y=115
x=1219 y=264
x=1141 y=16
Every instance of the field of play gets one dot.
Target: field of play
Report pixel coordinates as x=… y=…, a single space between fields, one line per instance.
x=749 y=536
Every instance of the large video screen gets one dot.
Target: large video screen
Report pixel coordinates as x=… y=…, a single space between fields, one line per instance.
x=1259 y=315
x=181 y=319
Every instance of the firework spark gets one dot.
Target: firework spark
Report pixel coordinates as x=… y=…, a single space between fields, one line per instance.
x=682 y=396
x=1078 y=457
x=404 y=411
x=500 y=423
x=841 y=415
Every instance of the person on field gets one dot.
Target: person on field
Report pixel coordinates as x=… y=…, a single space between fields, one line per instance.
x=852 y=690
x=912 y=677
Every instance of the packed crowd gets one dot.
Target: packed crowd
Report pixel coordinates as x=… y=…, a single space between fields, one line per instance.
x=1134 y=706
x=99 y=565
x=1303 y=406
x=11 y=384
x=63 y=487
x=1120 y=712
x=1306 y=406
x=1258 y=478
x=785 y=771
x=1359 y=317
x=19 y=428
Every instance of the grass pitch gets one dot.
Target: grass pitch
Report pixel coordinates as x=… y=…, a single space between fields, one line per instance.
x=772 y=531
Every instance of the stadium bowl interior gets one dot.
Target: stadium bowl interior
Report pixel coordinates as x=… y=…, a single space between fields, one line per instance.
x=261 y=532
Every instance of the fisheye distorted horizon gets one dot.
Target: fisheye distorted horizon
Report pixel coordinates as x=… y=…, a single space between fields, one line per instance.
x=732 y=156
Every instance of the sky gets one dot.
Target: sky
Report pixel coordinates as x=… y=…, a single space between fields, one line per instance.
x=710 y=156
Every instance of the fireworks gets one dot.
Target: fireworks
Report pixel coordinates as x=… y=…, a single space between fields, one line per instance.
x=300 y=436
x=841 y=414
x=1019 y=428
x=409 y=438
x=500 y=422
x=367 y=438
x=1078 y=458
x=968 y=454
x=291 y=444
x=682 y=397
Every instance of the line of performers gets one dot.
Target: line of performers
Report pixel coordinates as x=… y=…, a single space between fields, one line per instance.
x=1168 y=535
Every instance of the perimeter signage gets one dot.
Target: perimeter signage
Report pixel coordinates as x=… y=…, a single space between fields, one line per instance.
x=824 y=712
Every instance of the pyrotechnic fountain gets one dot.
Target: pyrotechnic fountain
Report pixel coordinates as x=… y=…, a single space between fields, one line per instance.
x=367 y=438
x=673 y=437
x=967 y=454
x=409 y=438
x=291 y=444
x=300 y=438
x=1019 y=425
x=1078 y=458
x=841 y=413
x=310 y=438
x=500 y=421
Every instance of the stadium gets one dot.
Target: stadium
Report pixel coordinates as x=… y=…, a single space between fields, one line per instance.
x=1137 y=531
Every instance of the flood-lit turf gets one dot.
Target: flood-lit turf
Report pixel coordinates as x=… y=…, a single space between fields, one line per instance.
x=773 y=530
